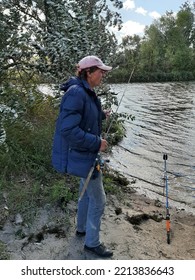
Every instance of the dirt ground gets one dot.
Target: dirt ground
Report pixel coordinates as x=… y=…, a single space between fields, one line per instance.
x=134 y=228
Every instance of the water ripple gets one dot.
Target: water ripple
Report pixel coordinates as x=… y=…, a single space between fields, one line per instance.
x=164 y=123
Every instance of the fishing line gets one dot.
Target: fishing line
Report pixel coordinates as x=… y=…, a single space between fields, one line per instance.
x=112 y=120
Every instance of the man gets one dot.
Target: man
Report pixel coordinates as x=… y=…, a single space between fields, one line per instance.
x=77 y=142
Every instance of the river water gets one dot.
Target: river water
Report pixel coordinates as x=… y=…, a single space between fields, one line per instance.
x=164 y=123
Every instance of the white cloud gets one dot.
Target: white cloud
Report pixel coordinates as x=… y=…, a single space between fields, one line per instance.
x=129 y=5
x=129 y=28
x=154 y=15
x=132 y=27
x=141 y=11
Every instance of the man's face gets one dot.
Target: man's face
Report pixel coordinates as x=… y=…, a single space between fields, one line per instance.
x=95 y=78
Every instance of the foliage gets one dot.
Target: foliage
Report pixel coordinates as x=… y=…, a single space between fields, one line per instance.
x=49 y=37
x=165 y=53
x=41 y=42
x=29 y=139
x=62 y=192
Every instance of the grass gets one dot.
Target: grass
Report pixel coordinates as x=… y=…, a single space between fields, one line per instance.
x=4 y=255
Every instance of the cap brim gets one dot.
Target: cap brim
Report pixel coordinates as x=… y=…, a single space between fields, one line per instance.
x=105 y=68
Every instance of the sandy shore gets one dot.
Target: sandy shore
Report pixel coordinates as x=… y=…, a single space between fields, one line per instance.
x=133 y=227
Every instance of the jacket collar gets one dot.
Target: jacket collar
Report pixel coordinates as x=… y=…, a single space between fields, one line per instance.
x=87 y=87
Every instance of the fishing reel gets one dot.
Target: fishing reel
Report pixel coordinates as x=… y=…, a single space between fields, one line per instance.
x=100 y=162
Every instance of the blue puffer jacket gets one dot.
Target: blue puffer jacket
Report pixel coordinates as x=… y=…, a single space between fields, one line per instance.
x=78 y=127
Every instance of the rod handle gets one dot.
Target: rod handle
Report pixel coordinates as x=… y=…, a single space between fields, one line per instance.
x=168 y=228
x=168 y=237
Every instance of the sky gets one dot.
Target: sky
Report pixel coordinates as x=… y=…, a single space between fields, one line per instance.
x=136 y=14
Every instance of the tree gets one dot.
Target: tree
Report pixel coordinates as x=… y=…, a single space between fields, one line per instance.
x=49 y=37
x=166 y=51
x=152 y=48
x=42 y=42
x=185 y=23
x=126 y=58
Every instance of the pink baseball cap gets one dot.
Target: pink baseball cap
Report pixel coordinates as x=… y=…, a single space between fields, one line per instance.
x=90 y=61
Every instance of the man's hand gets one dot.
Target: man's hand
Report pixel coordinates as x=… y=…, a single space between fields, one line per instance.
x=104 y=145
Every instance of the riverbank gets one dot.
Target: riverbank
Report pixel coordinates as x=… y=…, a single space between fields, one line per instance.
x=133 y=226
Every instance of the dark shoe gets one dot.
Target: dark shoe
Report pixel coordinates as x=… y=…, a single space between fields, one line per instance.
x=100 y=250
x=80 y=234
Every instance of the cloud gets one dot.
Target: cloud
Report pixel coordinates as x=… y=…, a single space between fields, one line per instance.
x=132 y=27
x=154 y=15
x=129 y=28
x=129 y=5
x=141 y=11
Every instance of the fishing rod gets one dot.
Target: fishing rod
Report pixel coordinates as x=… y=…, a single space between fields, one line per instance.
x=168 y=223
x=88 y=179
x=99 y=162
